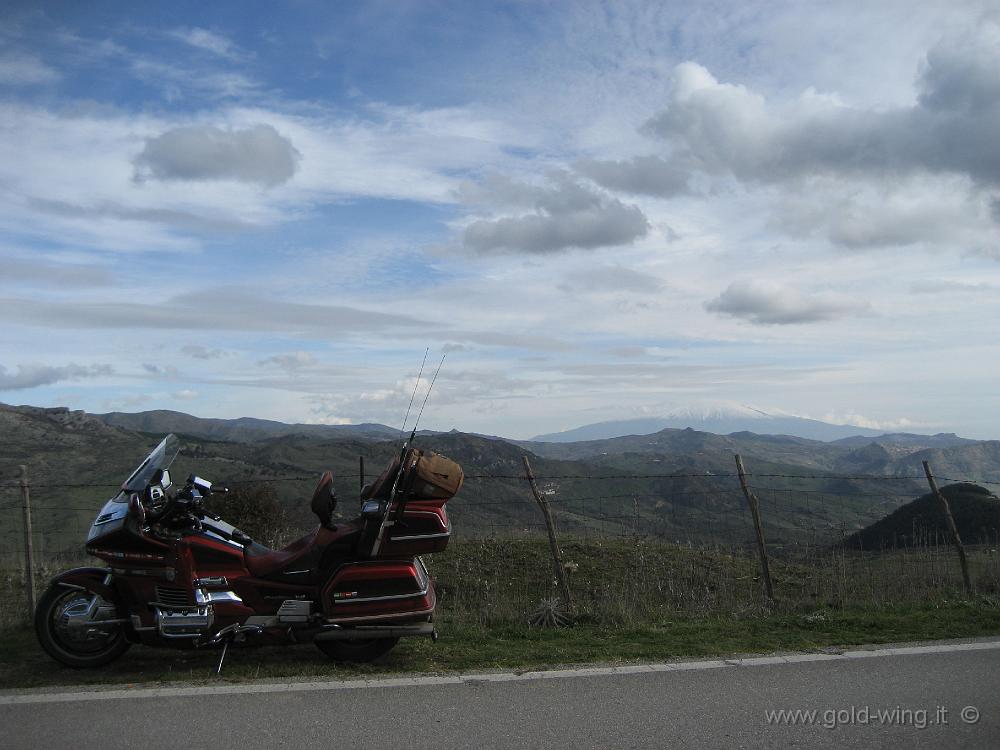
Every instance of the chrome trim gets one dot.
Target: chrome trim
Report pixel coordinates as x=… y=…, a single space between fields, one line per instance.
x=207 y=597
x=211 y=581
x=424 y=577
x=236 y=632
x=191 y=621
x=390 y=616
x=391 y=597
x=436 y=535
x=224 y=596
x=421 y=513
x=419 y=536
x=375 y=631
x=295 y=572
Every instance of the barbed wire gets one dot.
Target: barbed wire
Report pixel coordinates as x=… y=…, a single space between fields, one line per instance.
x=551 y=477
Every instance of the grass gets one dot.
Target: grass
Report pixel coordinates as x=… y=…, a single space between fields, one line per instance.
x=637 y=600
x=465 y=647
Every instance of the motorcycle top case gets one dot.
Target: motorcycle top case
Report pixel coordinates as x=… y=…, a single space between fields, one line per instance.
x=423 y=529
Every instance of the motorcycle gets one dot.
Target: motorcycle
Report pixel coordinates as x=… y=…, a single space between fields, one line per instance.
x=179 y=577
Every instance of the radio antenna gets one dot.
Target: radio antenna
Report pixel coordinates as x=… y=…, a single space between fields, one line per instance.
x=427 y=396
x=396 y=488
x=402 y=430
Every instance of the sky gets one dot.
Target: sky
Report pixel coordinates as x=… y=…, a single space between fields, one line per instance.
x=594 y=211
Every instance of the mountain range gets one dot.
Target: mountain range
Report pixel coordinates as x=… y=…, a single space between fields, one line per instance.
x=674 y=483
x=244 y=429
x=723 y=419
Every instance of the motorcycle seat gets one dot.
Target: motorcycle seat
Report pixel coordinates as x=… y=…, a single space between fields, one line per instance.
x=262 y=561
x=305 y=558
x=302 y=560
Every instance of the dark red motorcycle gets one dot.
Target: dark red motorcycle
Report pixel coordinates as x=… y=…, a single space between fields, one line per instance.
x=182 y=578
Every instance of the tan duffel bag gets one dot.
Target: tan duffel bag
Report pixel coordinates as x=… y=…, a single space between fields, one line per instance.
x=437 y=477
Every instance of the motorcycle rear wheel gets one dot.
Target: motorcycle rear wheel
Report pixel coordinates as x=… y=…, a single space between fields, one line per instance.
x=358 y=651
x=80 y=648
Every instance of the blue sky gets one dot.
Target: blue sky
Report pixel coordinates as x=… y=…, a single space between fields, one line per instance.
x=598 y=210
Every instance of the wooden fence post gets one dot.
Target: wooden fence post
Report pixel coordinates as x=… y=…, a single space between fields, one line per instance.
x=952 y=528
x=757 y=526
x=29 y=550
x=550 y=526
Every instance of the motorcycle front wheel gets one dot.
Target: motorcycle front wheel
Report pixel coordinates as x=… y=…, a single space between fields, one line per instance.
x=68 y=623
x=358 y=651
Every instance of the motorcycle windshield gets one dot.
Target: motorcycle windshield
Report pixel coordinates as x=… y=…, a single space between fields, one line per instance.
x=160 y=459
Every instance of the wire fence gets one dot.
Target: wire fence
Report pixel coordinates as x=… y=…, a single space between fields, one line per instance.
x=633 y=545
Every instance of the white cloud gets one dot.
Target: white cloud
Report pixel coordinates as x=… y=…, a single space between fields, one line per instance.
x=25 y=70
x=729 y=128
x=160 y=371
x=935 y=212
x=53 y=274
x=616 y=278
x=202 y=352
x=767 y=303
x=178 y=81
x=859 y=420
x=566 y=215
x=291 y=361
x=950 y=286
x=768 y=196
x=34 y=375
x=219 y=309
x=203 y=152
x=71 y=172
x=650 y=175
x=209 y=41
x=924 y=172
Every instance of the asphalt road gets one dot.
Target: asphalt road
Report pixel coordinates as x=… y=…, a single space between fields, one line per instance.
x=931 y=697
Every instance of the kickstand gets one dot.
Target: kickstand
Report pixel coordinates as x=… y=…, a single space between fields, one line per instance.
x=222 y=657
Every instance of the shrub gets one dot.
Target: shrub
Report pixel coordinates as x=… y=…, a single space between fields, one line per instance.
x=255 y=510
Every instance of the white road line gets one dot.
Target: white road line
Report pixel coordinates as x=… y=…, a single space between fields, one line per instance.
x=473 y=679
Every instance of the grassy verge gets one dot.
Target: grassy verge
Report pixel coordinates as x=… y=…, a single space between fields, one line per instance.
x=464 y=646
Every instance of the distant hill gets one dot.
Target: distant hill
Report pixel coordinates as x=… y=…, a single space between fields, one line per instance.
x=909 y=439
x=721 y=421
x=244 y=429
x=976 y=511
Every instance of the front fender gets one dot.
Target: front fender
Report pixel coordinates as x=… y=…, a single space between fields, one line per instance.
x=91 y=579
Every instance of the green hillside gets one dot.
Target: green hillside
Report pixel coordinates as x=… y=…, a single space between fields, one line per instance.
x=922 y=522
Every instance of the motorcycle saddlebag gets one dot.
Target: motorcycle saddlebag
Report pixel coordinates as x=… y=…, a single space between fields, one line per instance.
x=383 y=590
